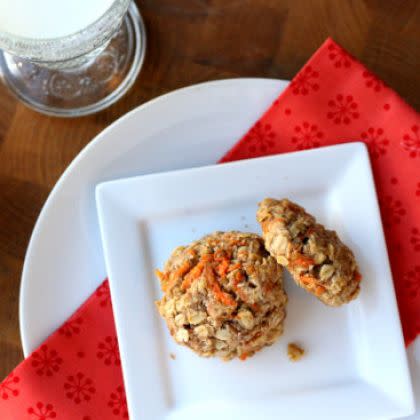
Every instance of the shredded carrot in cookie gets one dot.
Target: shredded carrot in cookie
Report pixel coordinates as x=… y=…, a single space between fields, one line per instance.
x=233 y=267
x=161 y=276
x=303 y=261
x=223 y=297
x=209 y=264
x=308 y=280
x=168 y=284
x=219 y=294
x=250 y=270
x=186 y=283
x=256 y=336
x=319 y=290
x=312 y=284
x=267 y=224
x=207 y=257
x=223 y=267
x=196 y=271
x=194 y=274
x=357 y=276
x=239 y=276
x=237 y=242
x=183 y=269
x=243 y=356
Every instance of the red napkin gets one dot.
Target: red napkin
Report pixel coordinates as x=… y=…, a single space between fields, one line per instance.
x=76 y=373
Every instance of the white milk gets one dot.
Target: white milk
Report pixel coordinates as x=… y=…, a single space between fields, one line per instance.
x=49 y=18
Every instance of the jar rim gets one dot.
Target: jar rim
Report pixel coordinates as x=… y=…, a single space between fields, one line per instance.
x=68 y=46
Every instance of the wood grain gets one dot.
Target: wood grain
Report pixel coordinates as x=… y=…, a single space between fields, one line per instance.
x=189 y=41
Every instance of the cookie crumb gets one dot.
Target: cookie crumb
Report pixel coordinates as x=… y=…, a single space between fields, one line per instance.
x=295 y=352
x=172 y=356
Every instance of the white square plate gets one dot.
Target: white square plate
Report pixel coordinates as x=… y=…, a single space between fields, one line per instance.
x=355 y=366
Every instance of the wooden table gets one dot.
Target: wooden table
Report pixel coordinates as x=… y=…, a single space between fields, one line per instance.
x=190 y=41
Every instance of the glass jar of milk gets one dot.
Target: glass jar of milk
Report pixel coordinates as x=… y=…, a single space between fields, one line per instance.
x=70 y=57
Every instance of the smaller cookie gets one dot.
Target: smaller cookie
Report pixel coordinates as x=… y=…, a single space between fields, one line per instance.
x=316 y=258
